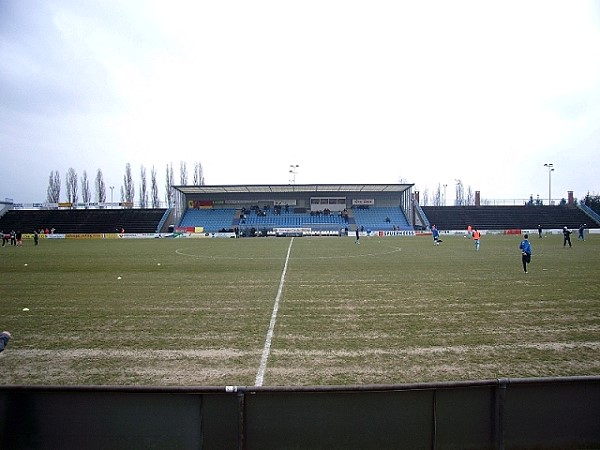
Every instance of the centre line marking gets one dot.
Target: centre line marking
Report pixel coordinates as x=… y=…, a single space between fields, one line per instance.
x=260 y=375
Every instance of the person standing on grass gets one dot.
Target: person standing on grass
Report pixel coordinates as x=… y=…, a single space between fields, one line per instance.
x=476 y=238
x=566 y=237
x=581 y=232
x=525 y=247
x=540 y=231
x=435 y=233
x=357 y=236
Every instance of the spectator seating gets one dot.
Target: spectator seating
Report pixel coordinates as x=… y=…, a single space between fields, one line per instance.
x=210 y=219
x=506 y=217
x=83 y=220
x=291 y=219
x=374 y=218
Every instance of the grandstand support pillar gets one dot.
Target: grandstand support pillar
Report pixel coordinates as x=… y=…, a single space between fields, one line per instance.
x=413 y=210
x=407 y=205
x=179 y=205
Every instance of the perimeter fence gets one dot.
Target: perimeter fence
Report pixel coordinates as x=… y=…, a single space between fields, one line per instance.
x=540 y=413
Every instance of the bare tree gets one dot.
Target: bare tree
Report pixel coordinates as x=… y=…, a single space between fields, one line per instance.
x=100 y=187
x=143 y=188
x=53 y=187
x=198 y=175
x=168 y=186
x=128 y=190
x=154 y=189
x=183 y=173
x=470 y=200
x=437 y=196
x=86 y=194
x=425 y=199
x=460 y=194
x=71 y=184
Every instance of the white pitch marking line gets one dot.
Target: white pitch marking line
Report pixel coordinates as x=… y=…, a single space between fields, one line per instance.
x=260 y=375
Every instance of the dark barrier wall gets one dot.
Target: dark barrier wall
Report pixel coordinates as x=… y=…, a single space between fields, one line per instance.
x=550 y=413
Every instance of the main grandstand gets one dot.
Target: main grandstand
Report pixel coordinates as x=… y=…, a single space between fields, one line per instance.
x=297 y=209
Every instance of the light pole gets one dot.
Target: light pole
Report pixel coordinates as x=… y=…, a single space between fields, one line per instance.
x=550 y=170
x=294 y=171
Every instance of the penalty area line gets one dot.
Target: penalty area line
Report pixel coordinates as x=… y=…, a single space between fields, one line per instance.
x=260 y=375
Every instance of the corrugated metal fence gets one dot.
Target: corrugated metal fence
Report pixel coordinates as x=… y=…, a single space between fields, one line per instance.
x=541 y=413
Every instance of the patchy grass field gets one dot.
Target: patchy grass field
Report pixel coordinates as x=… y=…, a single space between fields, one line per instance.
x=391 y=310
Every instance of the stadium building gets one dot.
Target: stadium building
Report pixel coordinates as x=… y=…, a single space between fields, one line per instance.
x=306 y=209
x=291 y=210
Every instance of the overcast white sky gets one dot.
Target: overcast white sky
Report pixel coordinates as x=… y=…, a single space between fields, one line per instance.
x=351 y=91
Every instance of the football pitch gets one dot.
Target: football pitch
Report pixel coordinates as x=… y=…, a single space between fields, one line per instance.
x=297 y=311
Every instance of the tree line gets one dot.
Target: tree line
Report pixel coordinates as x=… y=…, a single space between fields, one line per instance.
x=593 y=202
x=462 y=197
x=147 y=197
